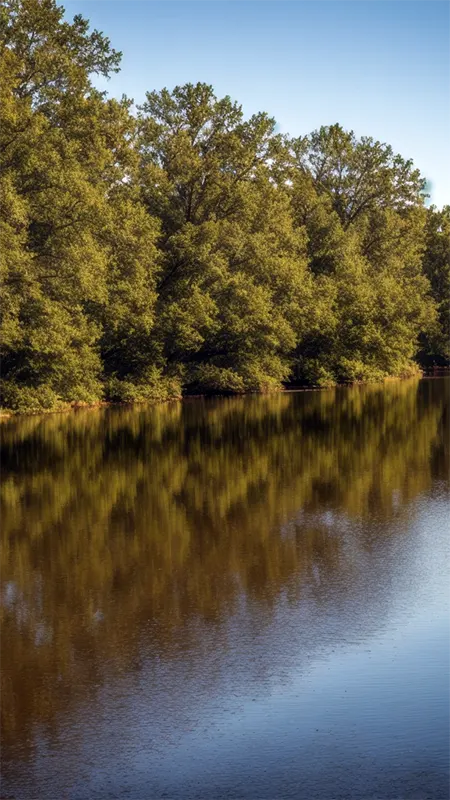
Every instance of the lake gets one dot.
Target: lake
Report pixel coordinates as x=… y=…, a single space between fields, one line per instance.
x=229 y=598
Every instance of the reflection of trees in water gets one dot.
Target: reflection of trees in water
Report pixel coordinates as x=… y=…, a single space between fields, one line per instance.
x=114 y=518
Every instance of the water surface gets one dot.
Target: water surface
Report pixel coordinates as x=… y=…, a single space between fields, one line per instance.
x=229 y=598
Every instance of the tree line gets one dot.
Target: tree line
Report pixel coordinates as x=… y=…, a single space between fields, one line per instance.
x=178 y=246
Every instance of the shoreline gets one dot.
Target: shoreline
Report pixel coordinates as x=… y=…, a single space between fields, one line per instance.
x=290 y=389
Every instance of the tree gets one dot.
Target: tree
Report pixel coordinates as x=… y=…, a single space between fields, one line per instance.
x=78 y=250
x=187 y=247
x=233 y=280
x=54 y=58
x=359 y=176
x=363 y=210
x=436 y=266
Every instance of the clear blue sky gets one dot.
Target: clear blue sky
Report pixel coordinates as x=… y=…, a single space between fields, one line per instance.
x=379 y=68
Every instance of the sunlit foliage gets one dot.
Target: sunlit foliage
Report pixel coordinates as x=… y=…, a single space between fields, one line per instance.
x=181 y=246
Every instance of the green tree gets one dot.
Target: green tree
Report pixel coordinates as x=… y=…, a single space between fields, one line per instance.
x=436 y=266
x=362 y=208
x=359 y=175
x=78 y=250
x=189 y=247
x=233 y=286
x=54 y=58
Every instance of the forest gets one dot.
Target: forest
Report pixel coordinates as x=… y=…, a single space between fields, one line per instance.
x=180 y=246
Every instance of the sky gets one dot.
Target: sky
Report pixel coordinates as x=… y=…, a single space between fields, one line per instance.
x=378 y=68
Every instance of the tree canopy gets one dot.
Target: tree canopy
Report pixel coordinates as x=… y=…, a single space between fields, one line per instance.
x=185 y=247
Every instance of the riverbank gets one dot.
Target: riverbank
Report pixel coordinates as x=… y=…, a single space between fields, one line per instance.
x=6 y=414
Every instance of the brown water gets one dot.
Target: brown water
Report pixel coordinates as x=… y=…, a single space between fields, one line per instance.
x=229 y=598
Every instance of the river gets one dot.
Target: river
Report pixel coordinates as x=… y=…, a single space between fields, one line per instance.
x=229 y=598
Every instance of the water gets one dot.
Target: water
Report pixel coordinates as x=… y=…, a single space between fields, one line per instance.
x=229 y=598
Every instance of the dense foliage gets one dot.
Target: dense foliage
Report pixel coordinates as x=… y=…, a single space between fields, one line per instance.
x=182 y=246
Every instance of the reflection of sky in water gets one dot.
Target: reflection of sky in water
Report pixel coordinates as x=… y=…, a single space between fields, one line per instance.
x=246 y=597
x=324 y=689
x=10 y=592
